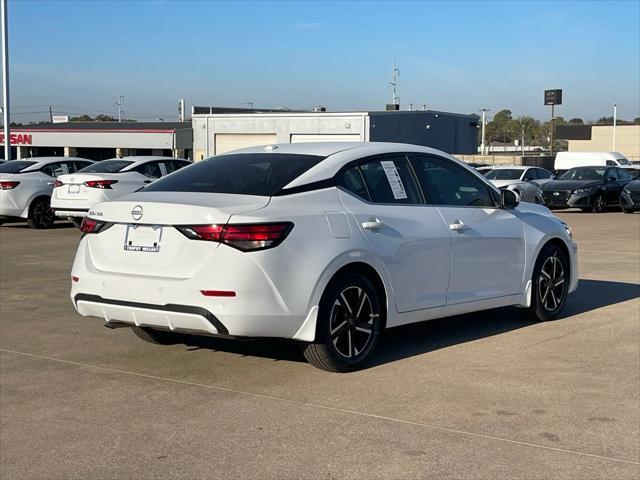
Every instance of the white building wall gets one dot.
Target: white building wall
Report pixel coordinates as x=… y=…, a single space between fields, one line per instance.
x=283 y=126
x=627 y=141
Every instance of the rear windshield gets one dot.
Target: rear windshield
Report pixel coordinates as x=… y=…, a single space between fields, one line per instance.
x=15 y=166
x=106 y=166
x=504 y=174
x=263 y=174
x=583 y=174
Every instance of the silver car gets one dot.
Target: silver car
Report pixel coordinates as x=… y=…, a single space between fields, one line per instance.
x=525 y=181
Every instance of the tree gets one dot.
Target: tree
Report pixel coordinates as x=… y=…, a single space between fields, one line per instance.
x=502 y=128
x=636 y=120
x=576 y=121
x=604 y=120
x=105 y=118
x=81 y=118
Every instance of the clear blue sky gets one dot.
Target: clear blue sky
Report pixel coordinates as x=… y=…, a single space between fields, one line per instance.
x=453 y=56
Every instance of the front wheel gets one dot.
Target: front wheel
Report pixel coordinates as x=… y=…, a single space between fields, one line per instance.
x=40 y=214
x=550 y=283
x=349 y=323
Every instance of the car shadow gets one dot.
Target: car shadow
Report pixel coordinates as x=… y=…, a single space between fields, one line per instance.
x=55 y=226
x=424 y=337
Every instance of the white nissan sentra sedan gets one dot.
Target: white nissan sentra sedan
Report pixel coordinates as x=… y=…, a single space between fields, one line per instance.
x=74 y=194
x=26 y=186
x=324 y=243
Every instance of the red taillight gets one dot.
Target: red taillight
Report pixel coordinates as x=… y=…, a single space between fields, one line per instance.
x=89 y=225
x=8 y=185
x=245 y=237
x=218 y=293
x=57 y=184
x=101 y=184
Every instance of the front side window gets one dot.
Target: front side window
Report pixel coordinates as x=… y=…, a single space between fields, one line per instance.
x=504 y=174
x=448 y=184
x=624 y=175
x=543 y=174
x=389 y=180
x=263 y=174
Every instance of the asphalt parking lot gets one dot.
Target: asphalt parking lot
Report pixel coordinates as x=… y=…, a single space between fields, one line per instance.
x=489 y=395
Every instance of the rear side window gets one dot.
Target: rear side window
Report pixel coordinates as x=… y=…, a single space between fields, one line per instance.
x=353 y=181
x=611 y=163
x=80 y=165
x=15 y=166
x=263 y=174
x=449 y=184
x=389 y=180
x=106 y=166
x=56 y=169
x=149 y=169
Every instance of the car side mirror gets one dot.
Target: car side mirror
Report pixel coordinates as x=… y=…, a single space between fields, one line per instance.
x=508 y=199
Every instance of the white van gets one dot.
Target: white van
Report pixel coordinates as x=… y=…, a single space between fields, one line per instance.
x=567 y=160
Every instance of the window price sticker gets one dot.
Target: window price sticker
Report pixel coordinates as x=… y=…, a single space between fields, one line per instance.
x=395 y=182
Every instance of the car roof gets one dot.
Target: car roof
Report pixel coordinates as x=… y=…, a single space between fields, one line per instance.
x=513 y=167
x=42 y=161
x=338 y=154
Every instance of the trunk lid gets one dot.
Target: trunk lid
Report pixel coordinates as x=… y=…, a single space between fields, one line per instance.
x=143 y=240
x=74 y=187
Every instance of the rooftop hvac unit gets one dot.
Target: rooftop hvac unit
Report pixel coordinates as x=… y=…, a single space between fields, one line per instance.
x=319 y=109
x=392 y=106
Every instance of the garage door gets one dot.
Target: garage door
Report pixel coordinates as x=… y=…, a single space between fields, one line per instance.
x=317 y=137
x=225 y=142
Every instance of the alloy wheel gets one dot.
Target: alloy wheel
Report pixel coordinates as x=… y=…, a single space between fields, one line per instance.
x=352 y=322
x=551 y=284
x=598 y=204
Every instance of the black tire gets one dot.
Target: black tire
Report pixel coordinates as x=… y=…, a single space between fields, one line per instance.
x=157 y=337
x=624 y=209
x=76 y=222
x=350 y=320
x=598 y=203
x=550 y=284
x=40 y=214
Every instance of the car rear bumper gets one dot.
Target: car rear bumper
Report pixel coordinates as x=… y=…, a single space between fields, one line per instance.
x=70 y=212
x=10 y=206
x=181 y=318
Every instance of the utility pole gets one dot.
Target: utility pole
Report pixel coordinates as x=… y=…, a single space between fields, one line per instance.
x=50 y=114
x=119 y=104
x=553 y=118
x=522 y=138
x=395 y=100
x=484 y=126
x=5 y=81
x=181 y=110
x=615 y=121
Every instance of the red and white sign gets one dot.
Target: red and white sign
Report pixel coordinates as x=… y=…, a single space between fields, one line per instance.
x=18 y=138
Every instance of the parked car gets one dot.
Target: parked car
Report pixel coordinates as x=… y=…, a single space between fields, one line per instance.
x=484 y=170
x=26 y=187
x=630 y=197
x=523 y=180
x=567 y=160
x=588 y=188
x=74 y=194
x=324 y=243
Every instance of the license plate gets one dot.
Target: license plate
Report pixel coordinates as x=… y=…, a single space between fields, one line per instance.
x=74 y=189
x=143 y=238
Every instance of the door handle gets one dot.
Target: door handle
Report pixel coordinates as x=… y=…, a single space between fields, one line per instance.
x=458 y=226
x=50 y=183
x=373 y=224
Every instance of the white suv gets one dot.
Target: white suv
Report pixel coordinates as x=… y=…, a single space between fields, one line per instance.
x=74 y=194
x=26 y=187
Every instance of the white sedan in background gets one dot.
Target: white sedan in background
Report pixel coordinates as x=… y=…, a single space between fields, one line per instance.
x=523 y=180
x=26 y=187
x=324 y=243
x=74 y=194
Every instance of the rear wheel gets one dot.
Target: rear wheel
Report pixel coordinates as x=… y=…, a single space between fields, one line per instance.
x=598 y=203
x=550 y=283
x=158 y=337
x=349 y=324
x=40 y=214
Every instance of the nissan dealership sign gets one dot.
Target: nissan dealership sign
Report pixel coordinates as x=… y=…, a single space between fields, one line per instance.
x=18 y=138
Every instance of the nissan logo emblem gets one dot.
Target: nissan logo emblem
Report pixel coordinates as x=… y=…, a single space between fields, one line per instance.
x=136 y=213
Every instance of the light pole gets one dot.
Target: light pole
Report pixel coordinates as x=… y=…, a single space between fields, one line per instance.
x=484 y=124
x=615 y=120
x=5 y=81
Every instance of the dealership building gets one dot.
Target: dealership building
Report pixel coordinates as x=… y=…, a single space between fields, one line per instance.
x=215 y=130
x=600 y=138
